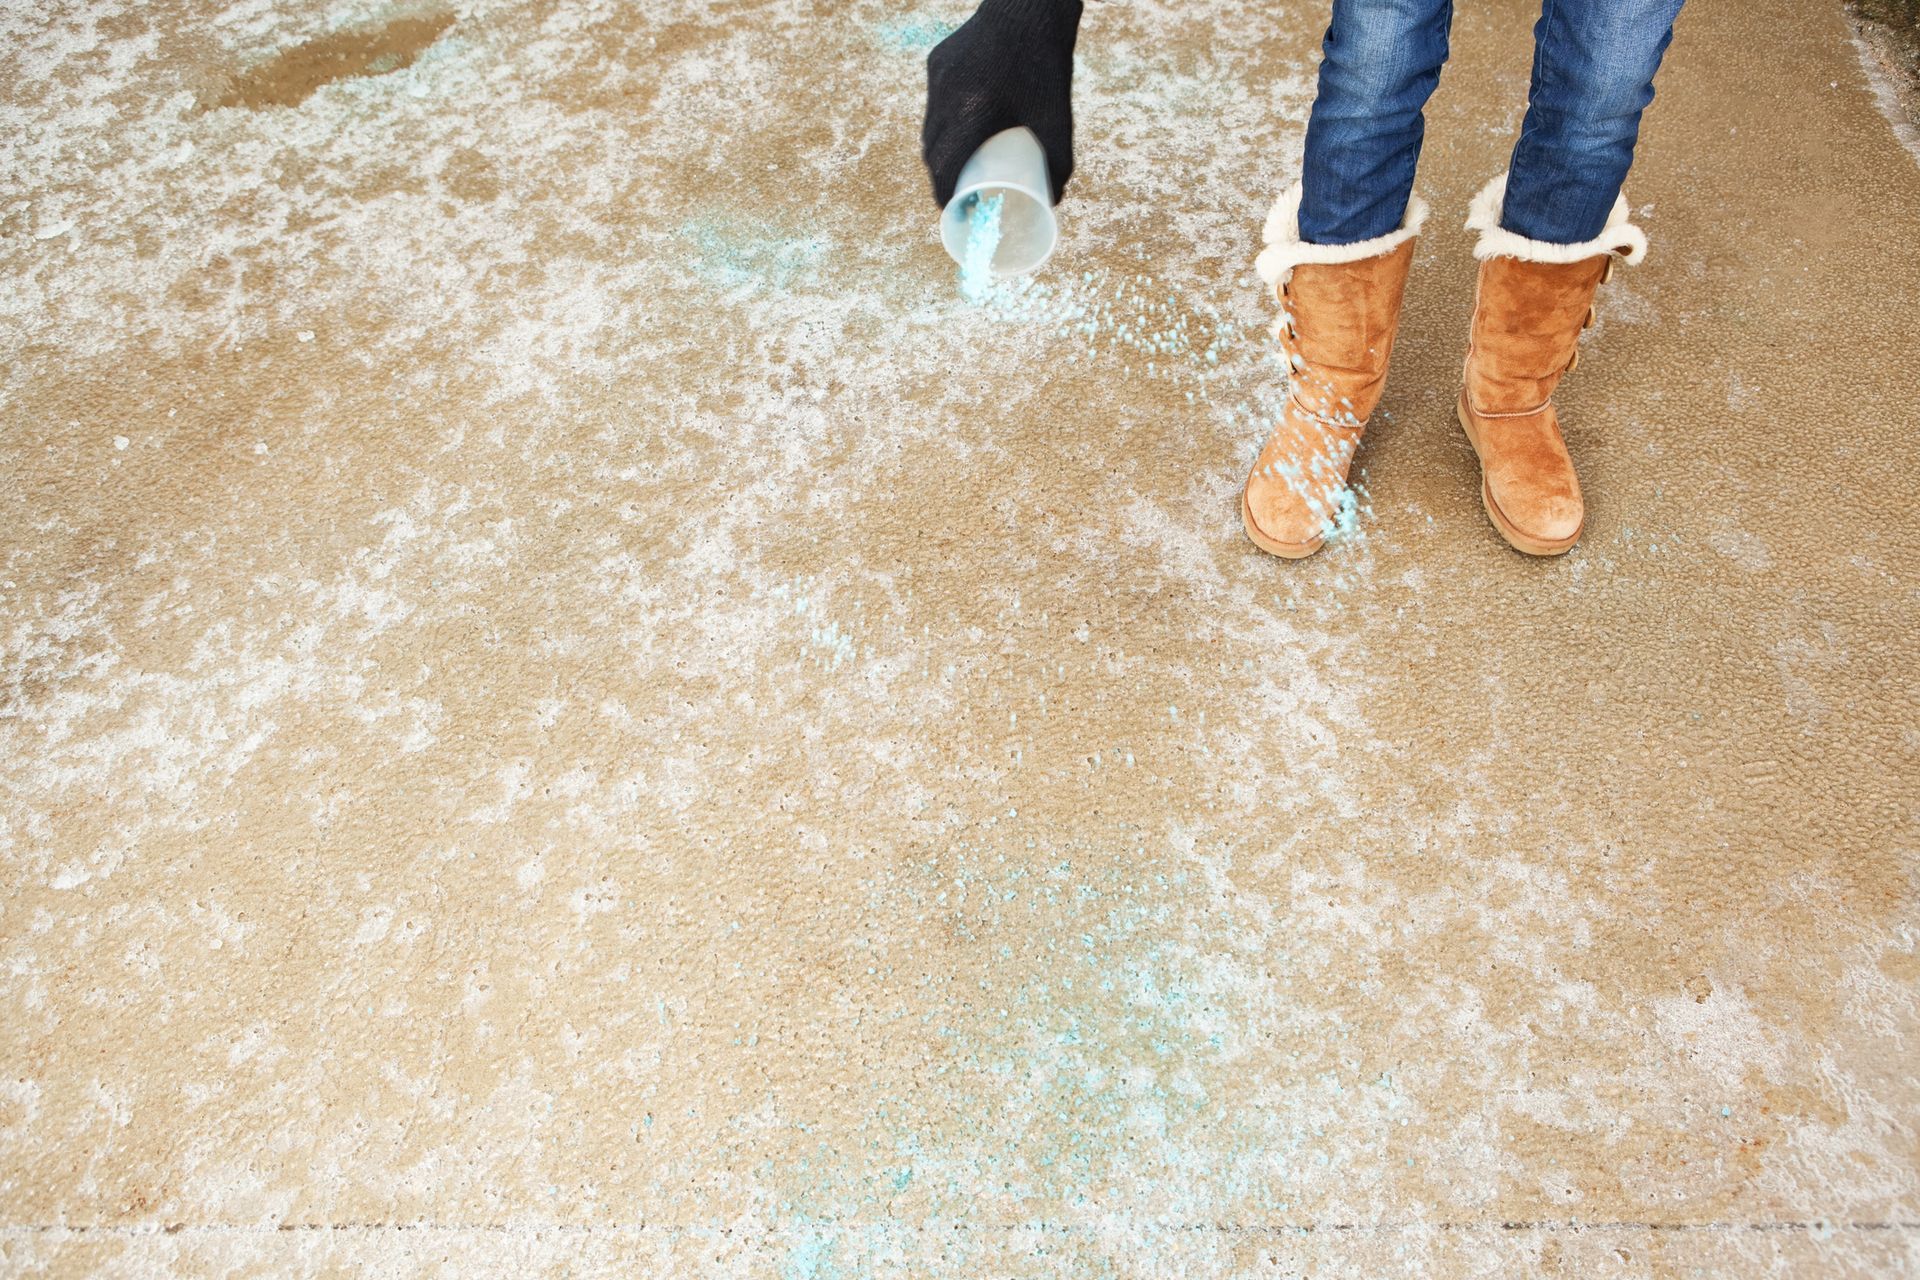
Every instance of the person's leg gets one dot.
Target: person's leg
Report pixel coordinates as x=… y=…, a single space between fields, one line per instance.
x=1381 y=61
x=1551 y=230
x=1338 y=244
x=1593 y=68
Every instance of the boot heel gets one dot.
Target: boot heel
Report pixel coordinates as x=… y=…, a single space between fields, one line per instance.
x=1466 y=425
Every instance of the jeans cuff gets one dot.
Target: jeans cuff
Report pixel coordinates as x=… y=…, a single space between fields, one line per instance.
x=1285 y=250
x=1484 y=214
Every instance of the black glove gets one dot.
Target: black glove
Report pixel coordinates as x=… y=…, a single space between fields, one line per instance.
x=1011 y=64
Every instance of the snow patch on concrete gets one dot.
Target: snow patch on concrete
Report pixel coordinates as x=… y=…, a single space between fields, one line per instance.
x=1886 y=95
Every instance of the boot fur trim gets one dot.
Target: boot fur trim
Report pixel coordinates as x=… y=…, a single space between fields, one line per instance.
x=1286 y=250
x=1483 y=215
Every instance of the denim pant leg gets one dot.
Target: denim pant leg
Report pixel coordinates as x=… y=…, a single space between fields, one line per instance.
x=1593 y=67
x=1381 y=61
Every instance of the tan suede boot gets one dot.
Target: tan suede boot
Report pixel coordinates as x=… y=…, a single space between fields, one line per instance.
x=1533 y=302
x=1340 y=308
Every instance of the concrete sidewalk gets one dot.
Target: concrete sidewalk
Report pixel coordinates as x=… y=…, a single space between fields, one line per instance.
x=567 y=706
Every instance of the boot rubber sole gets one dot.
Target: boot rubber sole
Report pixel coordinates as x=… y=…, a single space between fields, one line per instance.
x=1285 y=550
x=1516 y=537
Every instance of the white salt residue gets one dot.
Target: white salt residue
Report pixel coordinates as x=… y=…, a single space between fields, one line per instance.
x=71 y=876
x=1621 y=303
x=594 y=899
x=1722 y=1037
x=514 y=785
x=827 y=636
x=1184 y=550
x=108 y=728
x=22 y=1098
x=258 y=1043
x=375 y=924
x=219 y=925
x=1876 y=997
x=1743 y=548
x=148 y=162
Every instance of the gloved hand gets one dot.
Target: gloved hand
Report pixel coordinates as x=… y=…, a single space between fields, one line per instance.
x=1011 y=64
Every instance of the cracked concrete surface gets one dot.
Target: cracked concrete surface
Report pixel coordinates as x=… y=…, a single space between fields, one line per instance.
x=570 y=707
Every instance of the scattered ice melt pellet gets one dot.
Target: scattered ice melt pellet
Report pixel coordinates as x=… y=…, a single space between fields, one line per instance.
x=983 y=240
x=260 y=446
x=121 y=442
x=305 y=335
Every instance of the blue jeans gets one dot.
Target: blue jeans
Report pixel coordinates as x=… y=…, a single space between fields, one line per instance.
x=1593 y=67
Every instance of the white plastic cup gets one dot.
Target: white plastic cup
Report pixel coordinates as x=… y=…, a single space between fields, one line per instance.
x=1010 y=164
